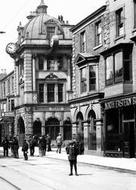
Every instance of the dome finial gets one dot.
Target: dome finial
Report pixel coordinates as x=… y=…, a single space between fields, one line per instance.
x=42 y=8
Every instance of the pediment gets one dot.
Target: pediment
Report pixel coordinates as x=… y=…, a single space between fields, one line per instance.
x=51 y=76
x=83 y=58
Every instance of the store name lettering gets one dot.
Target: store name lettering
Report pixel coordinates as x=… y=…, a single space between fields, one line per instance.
x=120 y=103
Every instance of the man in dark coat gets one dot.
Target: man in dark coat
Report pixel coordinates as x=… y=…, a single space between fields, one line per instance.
x=48 y=141
x=32 y=144
x=25 y=149
x=15 y=147
x=72 y=151
x=6 y=146
x=42 y=146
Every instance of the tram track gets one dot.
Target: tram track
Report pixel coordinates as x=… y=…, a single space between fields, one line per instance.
x=9 y=183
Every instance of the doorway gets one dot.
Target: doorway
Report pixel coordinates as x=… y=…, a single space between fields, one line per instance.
x=128 y=139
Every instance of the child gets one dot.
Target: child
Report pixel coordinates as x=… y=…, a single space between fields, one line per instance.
x=72 y=151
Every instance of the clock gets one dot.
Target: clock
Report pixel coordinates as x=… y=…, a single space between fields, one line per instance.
x=11 y=48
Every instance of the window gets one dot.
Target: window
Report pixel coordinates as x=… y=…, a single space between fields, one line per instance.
x=82 y=42
x=50 y=64
x=98 y=37
x=50 y=31
x=119 y=67
x=41 y=63
x=118 y=62
x=83 y=80
x=92 y=78
x=41 y=93
x=119 y=22
x=12 y=105
x=50 y=92
x=109 y=70
x=127 y=58
x=134 y=13
x=60 y=92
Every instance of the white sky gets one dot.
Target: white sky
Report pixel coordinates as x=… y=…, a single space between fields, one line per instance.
x=14 y=11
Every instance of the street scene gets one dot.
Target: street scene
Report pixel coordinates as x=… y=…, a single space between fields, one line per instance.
x=68 y=95
x=51 y=172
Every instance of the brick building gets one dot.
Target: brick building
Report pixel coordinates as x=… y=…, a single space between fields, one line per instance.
x=6 y=105
x=120 y=80
x=88 y=81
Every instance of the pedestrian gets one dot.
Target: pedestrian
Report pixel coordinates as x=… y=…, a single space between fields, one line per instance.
x=48 y=141
x=6 y=146
x=72 y=151
x=59 y=143
x=25 y=149
x=42 y=146
x=32 y=145
x=15 y=147
x=11 y=145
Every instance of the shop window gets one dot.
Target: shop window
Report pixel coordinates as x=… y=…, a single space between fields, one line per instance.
x=98 y=33
x=83 y=80
x=41 y=93
x=119 y=22
x=92 y=78
x=50 y=92
x=60 y=92
x=82 y=42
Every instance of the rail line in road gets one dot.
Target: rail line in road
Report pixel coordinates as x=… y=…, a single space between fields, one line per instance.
x=9 y=183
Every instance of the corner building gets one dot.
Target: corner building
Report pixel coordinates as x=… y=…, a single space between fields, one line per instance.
x=119 y=103
x=42 y=76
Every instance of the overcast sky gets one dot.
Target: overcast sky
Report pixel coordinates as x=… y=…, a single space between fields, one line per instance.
x=14 y=11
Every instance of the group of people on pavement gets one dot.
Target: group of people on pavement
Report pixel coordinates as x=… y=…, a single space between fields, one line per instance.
x=72 y=148
x=11 y=143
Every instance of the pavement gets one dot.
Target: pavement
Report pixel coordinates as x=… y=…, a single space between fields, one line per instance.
x=121 y=164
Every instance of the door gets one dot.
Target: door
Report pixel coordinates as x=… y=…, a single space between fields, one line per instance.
x=129 y=140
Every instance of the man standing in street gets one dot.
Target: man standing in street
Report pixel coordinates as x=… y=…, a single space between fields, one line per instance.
x=59 y=143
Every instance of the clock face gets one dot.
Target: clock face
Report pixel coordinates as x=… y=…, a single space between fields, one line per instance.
x=11 y=48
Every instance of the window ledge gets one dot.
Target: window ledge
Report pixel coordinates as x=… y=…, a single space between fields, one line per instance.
x=134 y=30
x=120 y=37
x=96 y=47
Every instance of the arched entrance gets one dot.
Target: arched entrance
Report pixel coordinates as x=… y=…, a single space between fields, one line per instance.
x=21 y=130
x=67 y=126
x=92 y=130
x=80 y=131
x=37 y=125
x=52 y=127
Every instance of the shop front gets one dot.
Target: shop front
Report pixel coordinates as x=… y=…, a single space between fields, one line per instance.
x=120 y=126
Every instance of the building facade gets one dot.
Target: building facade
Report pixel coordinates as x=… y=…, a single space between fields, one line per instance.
x=42 y=73
x=88 y=81
x=6 y=105
x=120 y=80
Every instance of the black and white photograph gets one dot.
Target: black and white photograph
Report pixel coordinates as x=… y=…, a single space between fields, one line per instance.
x=68 y=95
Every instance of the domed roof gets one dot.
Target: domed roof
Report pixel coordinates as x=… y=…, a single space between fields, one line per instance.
x=36 y=28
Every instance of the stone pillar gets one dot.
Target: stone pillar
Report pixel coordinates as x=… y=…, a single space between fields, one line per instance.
x=98 y=136
x=34 y=81
x=74 y=129
x=61 y=129
x=86 y=136
x=56 y=93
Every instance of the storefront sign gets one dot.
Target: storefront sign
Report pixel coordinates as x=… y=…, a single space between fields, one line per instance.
x=120 y=103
